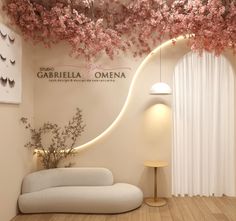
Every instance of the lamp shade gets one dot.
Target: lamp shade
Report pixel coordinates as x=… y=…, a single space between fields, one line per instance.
x=160 y=88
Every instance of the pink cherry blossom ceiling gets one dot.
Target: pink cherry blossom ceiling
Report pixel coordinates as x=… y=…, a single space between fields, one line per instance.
x=111 y=26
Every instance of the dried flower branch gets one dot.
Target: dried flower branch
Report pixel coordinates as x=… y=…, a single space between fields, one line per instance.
x=62 y=140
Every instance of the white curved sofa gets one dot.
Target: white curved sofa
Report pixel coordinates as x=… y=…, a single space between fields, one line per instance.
x=77 y=190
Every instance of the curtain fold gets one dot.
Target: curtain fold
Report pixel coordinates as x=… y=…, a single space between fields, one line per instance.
x=203 y=153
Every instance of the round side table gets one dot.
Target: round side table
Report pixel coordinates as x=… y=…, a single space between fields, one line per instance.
x=155 y=201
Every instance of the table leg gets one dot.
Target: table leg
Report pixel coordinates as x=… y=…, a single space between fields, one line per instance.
x=155 y=184
x=155 y=201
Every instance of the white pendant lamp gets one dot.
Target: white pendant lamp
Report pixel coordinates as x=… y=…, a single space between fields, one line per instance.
x=160 y=88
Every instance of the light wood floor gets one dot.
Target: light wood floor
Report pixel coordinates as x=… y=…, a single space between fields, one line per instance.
x=177 y=209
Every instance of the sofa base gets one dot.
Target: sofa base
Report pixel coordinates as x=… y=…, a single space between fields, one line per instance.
x=117 y=198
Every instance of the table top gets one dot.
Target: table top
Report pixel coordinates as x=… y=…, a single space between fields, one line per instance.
x=155 y=163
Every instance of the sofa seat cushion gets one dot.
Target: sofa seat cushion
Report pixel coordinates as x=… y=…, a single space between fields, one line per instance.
x=43 y=179
x=116 y=198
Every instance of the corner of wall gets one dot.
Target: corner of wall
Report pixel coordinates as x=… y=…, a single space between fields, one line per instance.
x=15 y=160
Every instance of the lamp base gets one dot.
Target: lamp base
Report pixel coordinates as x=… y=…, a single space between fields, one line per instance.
x=155 y=202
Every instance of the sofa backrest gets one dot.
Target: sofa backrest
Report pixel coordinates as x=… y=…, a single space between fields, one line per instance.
x=66 y=177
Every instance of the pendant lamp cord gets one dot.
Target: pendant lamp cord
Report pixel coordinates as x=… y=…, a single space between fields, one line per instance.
x=160 y=61
x=160 y=45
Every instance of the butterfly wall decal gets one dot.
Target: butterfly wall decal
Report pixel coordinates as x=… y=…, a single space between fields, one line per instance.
x=3 y=58
x=3 y=81
x=3 y=35
x=11 y=82
x=11 y=39
x=13 y=62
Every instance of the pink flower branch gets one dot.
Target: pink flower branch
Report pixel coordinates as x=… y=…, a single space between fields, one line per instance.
x=110 y=26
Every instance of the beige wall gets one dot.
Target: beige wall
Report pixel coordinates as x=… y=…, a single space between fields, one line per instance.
x=15 y=160
x=143 y=132
x=100 y=102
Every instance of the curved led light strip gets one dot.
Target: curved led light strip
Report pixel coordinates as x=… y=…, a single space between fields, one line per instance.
x=105 y=132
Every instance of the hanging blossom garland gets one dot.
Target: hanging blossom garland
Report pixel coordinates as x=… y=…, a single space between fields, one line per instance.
x=211 y=25
x=92 y=27
x=77 y=24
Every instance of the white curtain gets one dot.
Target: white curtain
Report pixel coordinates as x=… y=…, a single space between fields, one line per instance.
x=203 y=153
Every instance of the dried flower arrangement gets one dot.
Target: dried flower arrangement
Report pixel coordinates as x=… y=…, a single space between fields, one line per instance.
x=61 y=143
x=92 y=27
